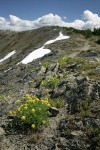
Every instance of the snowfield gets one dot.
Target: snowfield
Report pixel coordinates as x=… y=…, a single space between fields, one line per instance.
x=35 y=54
x=38 y=53
x=8 y=56
x=60 y=37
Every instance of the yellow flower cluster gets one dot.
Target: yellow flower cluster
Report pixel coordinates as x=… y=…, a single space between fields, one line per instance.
x=46 y=102
x=31 y=110
x=12 y=112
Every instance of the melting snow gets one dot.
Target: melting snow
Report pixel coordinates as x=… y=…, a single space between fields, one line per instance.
x=38 y=53
x=60 y=37
x=35 y=54
x=7 y=56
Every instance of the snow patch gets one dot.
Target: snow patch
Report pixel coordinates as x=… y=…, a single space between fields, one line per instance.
x=7 y=56
x=38 y=53
x=60 y=37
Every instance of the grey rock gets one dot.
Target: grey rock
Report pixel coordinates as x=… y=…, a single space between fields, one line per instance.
x=72 y=66
x=42 y=70
x=77 y=133
x=54 y=111
x=91 y=122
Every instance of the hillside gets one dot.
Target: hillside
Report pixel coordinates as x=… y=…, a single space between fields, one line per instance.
x=69 y=76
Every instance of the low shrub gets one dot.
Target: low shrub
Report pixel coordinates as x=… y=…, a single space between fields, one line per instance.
x=31 y=112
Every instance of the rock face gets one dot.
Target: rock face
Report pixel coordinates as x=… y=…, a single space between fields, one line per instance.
x=72 y=132
x=91 y=53
x=76 y=88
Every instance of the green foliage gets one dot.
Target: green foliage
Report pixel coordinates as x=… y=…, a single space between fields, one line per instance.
x=84 y=109
x=87 y=33
x=31 y=112
x=64 y=60
x=2 y=97
x=36 y=69
x=46 y=65
x=51 y=83
x=97 y=132
x=96 y=31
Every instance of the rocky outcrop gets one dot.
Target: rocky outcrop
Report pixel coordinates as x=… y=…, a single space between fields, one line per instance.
x=75 y=89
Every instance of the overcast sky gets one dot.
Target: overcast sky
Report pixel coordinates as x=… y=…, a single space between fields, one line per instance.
x=19 y=15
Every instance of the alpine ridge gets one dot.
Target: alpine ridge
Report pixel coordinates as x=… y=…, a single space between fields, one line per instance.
x=61 y=65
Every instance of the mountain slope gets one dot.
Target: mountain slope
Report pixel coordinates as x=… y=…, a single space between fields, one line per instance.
x=69 y=76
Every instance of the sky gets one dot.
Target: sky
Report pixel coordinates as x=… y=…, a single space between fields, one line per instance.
x=21 y=15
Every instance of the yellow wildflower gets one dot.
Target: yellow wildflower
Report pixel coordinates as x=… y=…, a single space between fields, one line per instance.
x=21 y=106
x=14 y=112
x=43 y=121
x=39 y=108
x=33 y=101
x=18 y=101
x=19 y=109
x=36 y=99
x=27 y=96
x=48 y=105
x=46 y=99
x=10 y=112
x=25 y=107
x=29 y=101
x=42 y=101
x=23 y=118
x=33 y=110
x=25 y=104
x=33 y=126
x=46 y=102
